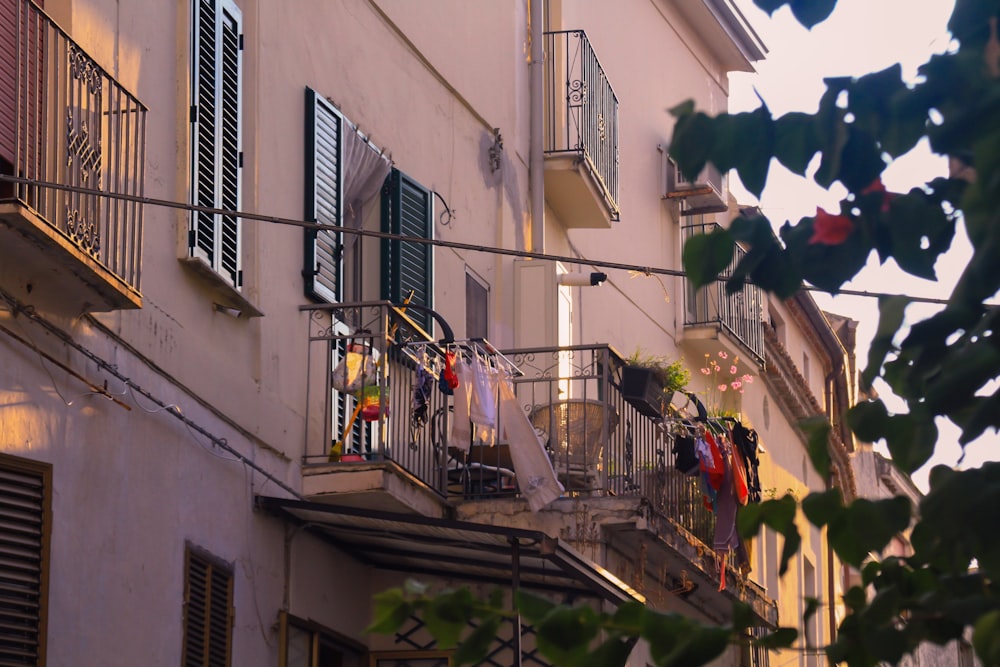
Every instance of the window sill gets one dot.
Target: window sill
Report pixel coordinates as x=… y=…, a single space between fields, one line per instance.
x=225 y=297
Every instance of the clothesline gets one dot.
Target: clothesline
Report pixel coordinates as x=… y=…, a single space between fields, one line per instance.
x=480 y=348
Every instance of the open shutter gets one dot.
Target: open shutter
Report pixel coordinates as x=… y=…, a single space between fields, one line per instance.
x=230 y=146
x=407 y=210
x=25 y=511
x=216 y=150
x=324 y=185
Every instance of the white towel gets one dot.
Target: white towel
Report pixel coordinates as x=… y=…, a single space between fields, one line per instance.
x=536 y=478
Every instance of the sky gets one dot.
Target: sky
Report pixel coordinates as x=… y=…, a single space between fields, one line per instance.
x=860 y=36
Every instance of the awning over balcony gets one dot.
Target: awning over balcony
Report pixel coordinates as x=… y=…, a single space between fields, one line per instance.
x=455 y=549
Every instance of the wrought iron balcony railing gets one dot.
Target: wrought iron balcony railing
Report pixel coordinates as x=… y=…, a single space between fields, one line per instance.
x=581 y=109
x=740 y=315
x=65 y=120
x=599 y=444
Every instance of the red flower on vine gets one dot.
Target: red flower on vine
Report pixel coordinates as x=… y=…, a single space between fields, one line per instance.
x=878 y=187
x=831 y=229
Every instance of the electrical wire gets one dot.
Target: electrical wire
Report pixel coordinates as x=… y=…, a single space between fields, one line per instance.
x=112 y=369
x=523 y=254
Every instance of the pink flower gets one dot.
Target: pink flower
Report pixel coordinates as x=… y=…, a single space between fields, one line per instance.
x=736 y=384
x=705 y=371
x=748 y=379
x=723 y=387
x=830 y=229
x=723 y=355
x=732 y=370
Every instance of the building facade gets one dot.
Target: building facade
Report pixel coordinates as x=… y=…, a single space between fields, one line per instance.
x=210 y=208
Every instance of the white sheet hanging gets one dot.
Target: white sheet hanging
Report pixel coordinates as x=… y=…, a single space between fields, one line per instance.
x=536 y=478
x=460 y=436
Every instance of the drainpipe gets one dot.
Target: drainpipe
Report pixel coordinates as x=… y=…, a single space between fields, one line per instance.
x=536 y=136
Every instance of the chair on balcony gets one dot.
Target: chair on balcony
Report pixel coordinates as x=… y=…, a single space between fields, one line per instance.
x=575 y=433
x=483 y=470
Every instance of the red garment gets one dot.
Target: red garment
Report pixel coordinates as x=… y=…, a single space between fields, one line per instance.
x=713 y=465
x=739 y=476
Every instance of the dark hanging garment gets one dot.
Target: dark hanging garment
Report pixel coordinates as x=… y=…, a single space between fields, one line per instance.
x=685 y=454
x=746 y=440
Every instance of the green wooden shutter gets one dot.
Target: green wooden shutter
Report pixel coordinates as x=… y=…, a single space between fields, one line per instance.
x=25 y=511
x=216 y=152
x=324 y=187
x=407 y=210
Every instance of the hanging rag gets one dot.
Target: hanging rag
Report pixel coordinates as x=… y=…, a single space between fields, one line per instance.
x=483 y=401
x=535 y=476
x=460 y=436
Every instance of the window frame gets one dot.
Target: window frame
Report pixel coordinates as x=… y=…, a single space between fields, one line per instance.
x=317 y=633
x=216 y=238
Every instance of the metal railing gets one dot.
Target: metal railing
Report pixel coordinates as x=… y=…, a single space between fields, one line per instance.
x=741 y=314
x=598 y=442
x=581 y=109
x=65 y=120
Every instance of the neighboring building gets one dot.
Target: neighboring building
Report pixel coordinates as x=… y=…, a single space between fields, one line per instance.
x=181 y=481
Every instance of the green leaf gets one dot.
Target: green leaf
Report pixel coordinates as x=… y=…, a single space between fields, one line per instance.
x=629 y=617
x=796 y=141
x=477 y=644
x=867 y=526
x=447 y=615
x=911 y=439
x=391 y=611
x=869 y=420
x=811 y=12
x=564 y=635
x=986 y=638
x=891 y=310
x=817 y=430
x=753 y=146
x=701 y=645
x=532 y=607
x=823 y=507
x=706 y=256
x=613 y=652
x=780 y=638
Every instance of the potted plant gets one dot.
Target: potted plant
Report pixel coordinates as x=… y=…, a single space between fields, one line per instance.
x=649 y=382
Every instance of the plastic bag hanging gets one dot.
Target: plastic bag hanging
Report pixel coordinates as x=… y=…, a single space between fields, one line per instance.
x=460 y=436
x=355 y=370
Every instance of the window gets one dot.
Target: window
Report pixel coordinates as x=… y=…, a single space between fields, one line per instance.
x=344 y=170
x=26 y=513
x=407 y=267
x=216 y=149
x=208 y=610
x=477 y=302
x=307 y=644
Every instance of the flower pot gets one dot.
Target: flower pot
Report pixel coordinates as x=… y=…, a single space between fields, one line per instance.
x=642 y=388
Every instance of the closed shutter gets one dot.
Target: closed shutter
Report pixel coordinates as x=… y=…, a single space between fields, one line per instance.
x=25 y=511
x=324 y=187
x=208 y=602
x=8 y=84
x=407 y=210
x=216 y=150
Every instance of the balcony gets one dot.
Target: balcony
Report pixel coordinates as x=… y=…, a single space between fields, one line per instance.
x=581 y=134
x=608 y=456
x=713 y=318
x=65 y=122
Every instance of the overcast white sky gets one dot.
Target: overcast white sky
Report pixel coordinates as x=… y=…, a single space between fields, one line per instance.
x=860 y=36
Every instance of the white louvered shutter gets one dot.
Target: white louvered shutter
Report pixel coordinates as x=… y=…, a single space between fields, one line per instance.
x=217 y=158
x=324 y=188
